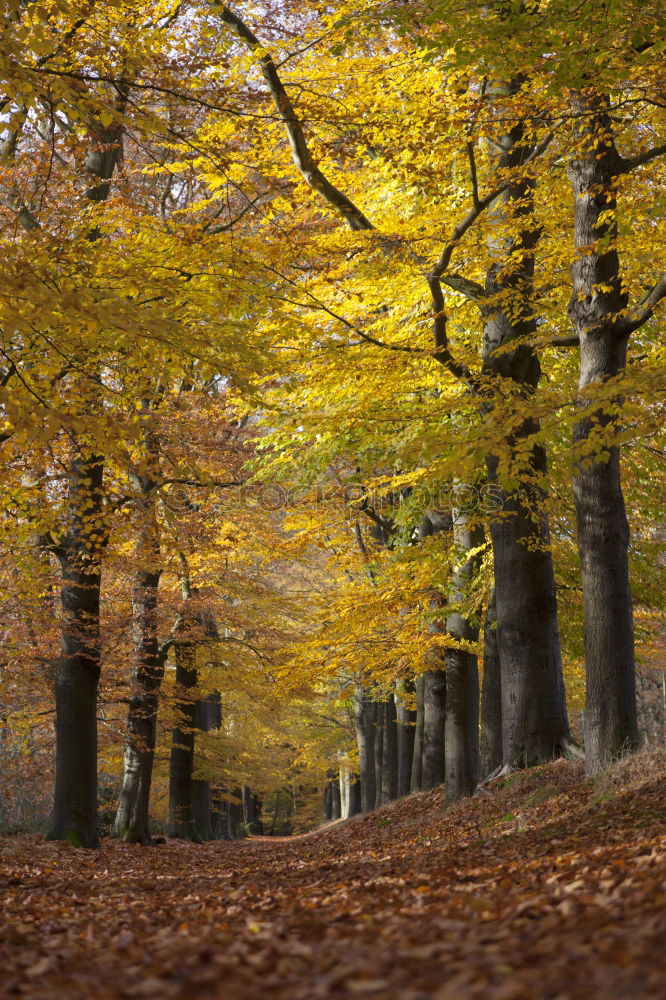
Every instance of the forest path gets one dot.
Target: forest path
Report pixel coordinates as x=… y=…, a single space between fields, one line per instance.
x=544 y=886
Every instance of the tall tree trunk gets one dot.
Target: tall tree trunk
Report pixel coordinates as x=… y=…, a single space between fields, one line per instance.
x=181 y=817
x=434 y=713
x=234 y=812
x=258 y=822
x=328 y=802
x=364 y=724
x=535 y=724
x=416 y=783
x=252 y=811
x=336 y=804
x=406 y=722
x=79 y=552
x=355 y=803
x=79 y=664
x=461 y=728
x=132 y=823
x=390 y=754
x=598 y=310
x=207 y=717
x=343 y=779
x=379 y=728
x=491 y=696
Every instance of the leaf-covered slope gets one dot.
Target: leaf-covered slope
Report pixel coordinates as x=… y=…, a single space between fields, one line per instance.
x=543 y=885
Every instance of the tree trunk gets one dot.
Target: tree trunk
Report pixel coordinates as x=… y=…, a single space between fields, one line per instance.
x=132 y=822
x=365 y=741
x=219 y=812
x=80 y=552
x=355 y=803
x=491 y=696
x=344 y=792
x=390 y=754
x=147 y=671
x=416 y=783
x=181 y=816
x=336 y=805
x=258 y=822
x=406 y=722
x=461 y=728
x=379 y=723
x=598 y=310
x=234 y=814
x=251 y=811
x=534 y=719
x=79 y=664
x=535 y=725
x=207 y=716
x=434 y=711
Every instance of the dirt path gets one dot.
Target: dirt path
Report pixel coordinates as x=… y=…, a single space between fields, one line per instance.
x=545 y=888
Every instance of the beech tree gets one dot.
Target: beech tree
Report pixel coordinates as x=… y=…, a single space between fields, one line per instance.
x=408 y=248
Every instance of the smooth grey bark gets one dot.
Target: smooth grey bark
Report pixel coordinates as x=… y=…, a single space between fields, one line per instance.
x=434 y=714
x=389 y=782
x=364 y=724
x=603 y=323
x=181 y=767
x=336 y=803
x=78 y=667
x=234 y=814
x=461 y=728
x=406 y=723
x=147 y=669
x=343 y=779
x=202 y=809
x=252 y=811
x=430 y=729
x=80 y=555
x=207 y=717
x=379 y=727
x=491 y=696
x=534 y=717
x=132 y=820
x=355 y=804
x=218 y=812
x=332 y=800
x=328 y=802
x=416 y=783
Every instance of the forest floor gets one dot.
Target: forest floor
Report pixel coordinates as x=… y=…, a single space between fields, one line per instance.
x=544 y=885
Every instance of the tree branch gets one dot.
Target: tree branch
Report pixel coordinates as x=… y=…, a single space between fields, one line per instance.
x=301 y=155
x=627 y=164
x=573 y=341
x=472 y=290
x=472 y=172
x=353 y=216
x=645 y=308
x=165 y=646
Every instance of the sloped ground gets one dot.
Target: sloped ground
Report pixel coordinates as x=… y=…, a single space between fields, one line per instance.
x=543 y=886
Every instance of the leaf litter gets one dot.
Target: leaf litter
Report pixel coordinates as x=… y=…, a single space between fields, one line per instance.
x=515 y=894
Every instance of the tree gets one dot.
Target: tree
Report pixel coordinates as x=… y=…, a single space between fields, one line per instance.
x=603 y=321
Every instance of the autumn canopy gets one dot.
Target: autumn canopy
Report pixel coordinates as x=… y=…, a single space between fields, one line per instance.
x=331 y=391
